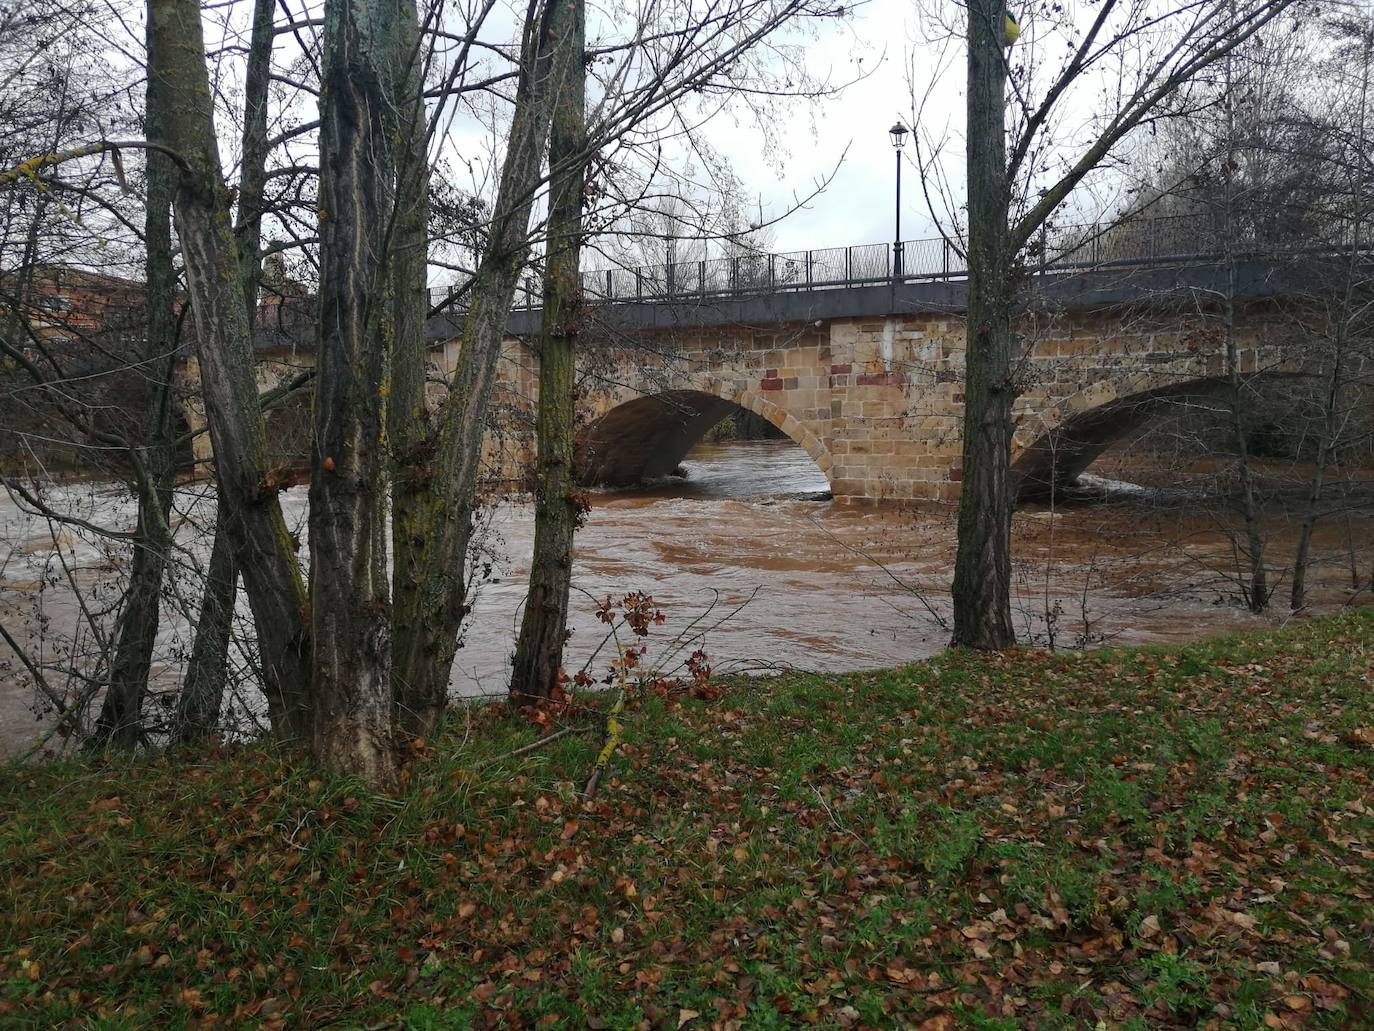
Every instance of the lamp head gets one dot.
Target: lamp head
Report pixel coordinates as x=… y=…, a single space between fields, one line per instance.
x=898 y=133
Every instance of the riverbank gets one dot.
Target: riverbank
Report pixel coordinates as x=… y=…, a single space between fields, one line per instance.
x=1127 y=838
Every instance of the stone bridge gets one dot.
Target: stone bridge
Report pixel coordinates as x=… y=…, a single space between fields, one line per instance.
x=868 y=380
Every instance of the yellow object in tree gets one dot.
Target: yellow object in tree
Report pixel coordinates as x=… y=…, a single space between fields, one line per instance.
x=1011 y=29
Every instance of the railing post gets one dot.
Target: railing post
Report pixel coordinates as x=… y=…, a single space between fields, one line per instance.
x=772 y=273
x=639 y=284
x=610 y=286
x=734 y=274
x=808 y=270
x=701 y=276
x=849 y=266
x=668 y=278
x=944 y=256
x=1151 y=255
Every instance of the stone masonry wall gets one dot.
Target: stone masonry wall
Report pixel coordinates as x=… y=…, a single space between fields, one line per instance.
x=876 y=402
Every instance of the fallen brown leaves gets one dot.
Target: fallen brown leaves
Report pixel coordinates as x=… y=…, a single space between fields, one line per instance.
x=1125 y=839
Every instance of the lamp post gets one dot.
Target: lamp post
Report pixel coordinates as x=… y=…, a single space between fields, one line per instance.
x=898 y=133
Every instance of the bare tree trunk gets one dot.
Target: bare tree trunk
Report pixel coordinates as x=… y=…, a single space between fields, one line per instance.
x=266 y=554
x=1325 y=446
x=350 y=597
x=120 y=721
x=982 y=566
x=410 y=431
x=1257 y=590
x=543 y=628
x=253 y=173
x=1345 y=306
x=982 y=573
x=431 y=609
x=202 y=692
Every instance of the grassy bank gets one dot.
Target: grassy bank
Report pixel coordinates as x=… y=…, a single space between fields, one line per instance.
x=1131 y=838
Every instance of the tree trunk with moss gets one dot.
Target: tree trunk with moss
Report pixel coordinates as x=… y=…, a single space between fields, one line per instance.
x=202 y=692
x=432 y=601
x=982 y=565
x=121 y=714
x=207 y=670
x=257 y=530
x=350 y=598
x=543 y=628
x=410 y=430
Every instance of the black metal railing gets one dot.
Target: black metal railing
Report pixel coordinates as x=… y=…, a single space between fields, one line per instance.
x=1143 y=241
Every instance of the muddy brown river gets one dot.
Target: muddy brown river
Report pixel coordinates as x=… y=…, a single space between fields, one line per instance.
x=745 y=555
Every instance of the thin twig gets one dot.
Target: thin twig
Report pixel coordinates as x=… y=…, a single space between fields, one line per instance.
x=532 y=746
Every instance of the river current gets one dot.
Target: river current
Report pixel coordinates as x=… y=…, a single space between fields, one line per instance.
x=745 y=554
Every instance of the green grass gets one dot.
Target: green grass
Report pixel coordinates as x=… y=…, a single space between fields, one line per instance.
x=1133 y=838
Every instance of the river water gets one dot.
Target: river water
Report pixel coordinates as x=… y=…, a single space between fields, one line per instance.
x=747 y=557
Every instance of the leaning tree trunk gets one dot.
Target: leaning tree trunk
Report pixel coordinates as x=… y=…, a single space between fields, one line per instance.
x=120 y=722
x=202 y=691
x=982 y=566
x=348 y=587
x=410 y=431
x=431 y=602
x=543 y=627
x=266 y=554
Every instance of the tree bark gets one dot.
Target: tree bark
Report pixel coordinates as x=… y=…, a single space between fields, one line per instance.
x=982 y=568
x=543 y=628
x=253 y=516
x=350 y=600
x=253 y=173
x=202 y=692
x=429 y=613
x=410 y=431
x=120 y=722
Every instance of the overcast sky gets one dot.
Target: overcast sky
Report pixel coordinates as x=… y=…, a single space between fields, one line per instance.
x=877 y=47
x=858 y=206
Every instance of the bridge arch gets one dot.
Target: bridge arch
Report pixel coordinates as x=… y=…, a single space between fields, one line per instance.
x=649 y=435
x=1062 y=441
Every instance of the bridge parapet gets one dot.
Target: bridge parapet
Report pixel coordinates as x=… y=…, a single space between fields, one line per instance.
x=1059 y=251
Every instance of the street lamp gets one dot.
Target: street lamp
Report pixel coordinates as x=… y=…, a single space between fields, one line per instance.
x=898 y=133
